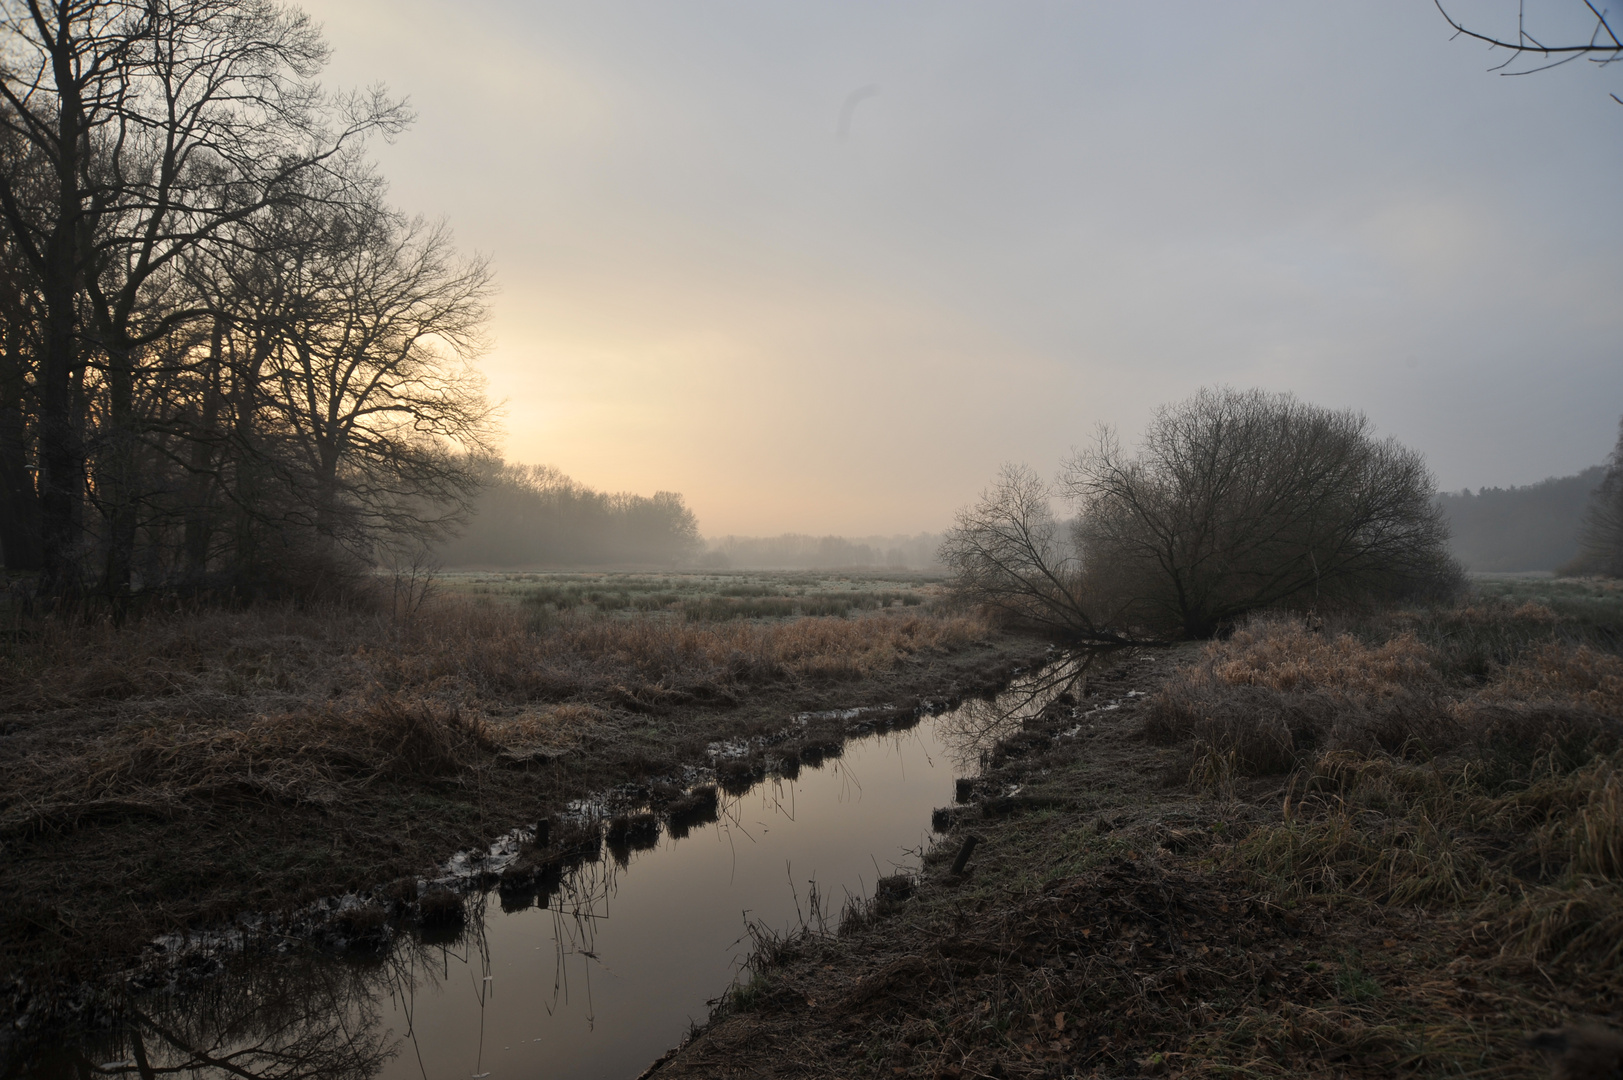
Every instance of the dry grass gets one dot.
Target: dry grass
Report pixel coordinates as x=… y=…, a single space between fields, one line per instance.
x=1278 y=694
x=1578 y=675
x=1490 y=793
x=1537 y=872
x=298 y=706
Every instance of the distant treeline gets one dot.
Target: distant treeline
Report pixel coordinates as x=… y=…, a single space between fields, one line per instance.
x=537 y=516
x=1534 y=527
x=534 y=515
x=797 y=551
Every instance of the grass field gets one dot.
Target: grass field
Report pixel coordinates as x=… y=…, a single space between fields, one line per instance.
x=701 y=597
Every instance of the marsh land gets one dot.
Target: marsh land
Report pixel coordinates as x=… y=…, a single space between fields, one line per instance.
x=1379 y=845
x=1384 y=842
x=191 y=765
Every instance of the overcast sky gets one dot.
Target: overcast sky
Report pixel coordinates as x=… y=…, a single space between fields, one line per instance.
x=823 y=266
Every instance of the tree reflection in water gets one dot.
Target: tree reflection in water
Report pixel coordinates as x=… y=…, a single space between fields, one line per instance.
x=288 y=1020
x=973 y=728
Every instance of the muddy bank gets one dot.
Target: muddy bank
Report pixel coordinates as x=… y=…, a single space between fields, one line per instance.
x=1103 y=926
x=85 y=890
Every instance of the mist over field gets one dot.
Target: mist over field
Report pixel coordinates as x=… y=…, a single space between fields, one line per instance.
x=537 y=518
x=916 y=538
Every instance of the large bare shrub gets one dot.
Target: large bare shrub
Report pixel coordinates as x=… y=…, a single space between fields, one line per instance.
x=1234 y=501
x=1240 y=500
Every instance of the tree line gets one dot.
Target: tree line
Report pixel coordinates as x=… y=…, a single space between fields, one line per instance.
x=225 y=359
x=1528 y=527
x=536 y=516
x=1572 y=525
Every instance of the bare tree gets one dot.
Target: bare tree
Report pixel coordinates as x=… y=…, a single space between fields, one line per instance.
x=240 y=510
x=1592 y=37
x=1010 y=555
x=373 y=384
x=143 y=129
x=20 y=539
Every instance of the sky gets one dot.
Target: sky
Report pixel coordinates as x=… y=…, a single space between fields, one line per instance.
x=824 y=266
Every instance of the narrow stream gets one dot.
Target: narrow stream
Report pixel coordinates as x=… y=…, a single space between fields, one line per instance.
x=626 y=953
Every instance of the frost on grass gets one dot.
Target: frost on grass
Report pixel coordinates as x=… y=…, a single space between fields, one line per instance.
x=1469 y=761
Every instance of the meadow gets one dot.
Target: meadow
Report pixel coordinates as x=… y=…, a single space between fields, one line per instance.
x=701 y=597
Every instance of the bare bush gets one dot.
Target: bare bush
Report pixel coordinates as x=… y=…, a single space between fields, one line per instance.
x=1234 y=502
x=1237 y=501
x=1011 y=557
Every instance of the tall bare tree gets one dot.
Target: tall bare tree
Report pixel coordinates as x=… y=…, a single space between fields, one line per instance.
x=373 y=377
x=140 y=131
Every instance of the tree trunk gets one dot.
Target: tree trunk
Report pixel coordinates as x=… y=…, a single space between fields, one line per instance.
x=61 y=443
x=199 y=529
x=117 y=479
x=61 y=451
x=19 y=501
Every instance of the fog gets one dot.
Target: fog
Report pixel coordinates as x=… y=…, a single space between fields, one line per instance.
x=821 y=268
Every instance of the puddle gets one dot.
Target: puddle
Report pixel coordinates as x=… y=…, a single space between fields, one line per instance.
x=627 y=952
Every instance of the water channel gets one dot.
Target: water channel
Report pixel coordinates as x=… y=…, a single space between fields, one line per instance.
x=627 y=952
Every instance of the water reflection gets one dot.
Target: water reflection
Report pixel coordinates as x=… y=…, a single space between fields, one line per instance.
x=304 y=1017
x=589 y=965
x=968 y=731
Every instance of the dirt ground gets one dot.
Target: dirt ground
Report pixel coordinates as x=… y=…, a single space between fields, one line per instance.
x=1106 y=925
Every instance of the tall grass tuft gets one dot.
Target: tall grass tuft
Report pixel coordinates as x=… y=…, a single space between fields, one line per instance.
x=1471 y=760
